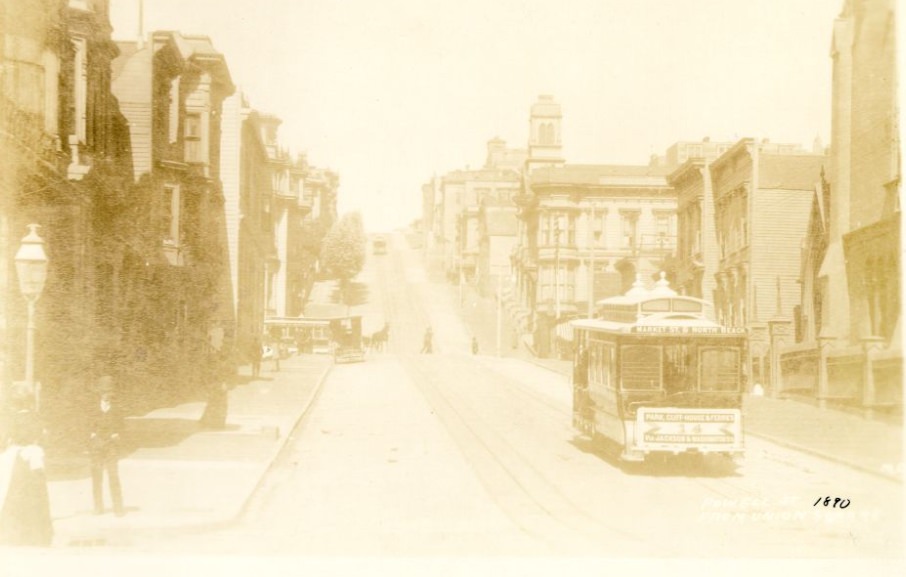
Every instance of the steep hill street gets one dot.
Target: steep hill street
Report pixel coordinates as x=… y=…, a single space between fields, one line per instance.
x=452 y=453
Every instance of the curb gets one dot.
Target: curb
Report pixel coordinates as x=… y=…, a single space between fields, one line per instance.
x=281 y=445
x=229 y=520
x=822 y=455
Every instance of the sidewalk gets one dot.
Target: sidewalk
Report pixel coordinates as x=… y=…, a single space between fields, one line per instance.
x=184 y=477
x=870 y=445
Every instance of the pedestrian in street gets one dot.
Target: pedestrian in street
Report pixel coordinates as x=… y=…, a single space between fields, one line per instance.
x=24 y=504
x=474 y=345
x=254 y=354
x=105 y=446
x=427 y=347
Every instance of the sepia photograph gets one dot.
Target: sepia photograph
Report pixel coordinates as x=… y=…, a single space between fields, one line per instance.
x=434 y=287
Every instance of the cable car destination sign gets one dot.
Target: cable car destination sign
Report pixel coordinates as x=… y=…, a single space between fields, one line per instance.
x=663 y=427
x=685 y=330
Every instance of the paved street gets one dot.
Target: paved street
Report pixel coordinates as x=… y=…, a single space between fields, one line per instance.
x=455 y=454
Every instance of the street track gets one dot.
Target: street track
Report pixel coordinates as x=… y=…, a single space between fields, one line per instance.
x=525 y=493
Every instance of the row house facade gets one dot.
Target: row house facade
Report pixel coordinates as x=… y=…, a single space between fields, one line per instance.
x=452 y=212
x=171 y=89
x=695 y=262
x=762 y=195
x=497 y=240
x=158 y=197
x=587 y=232
x=248 y=201
x=304 y=208
x=64 y=158
x=849 y=343
x=479 y=187
x=313 y=216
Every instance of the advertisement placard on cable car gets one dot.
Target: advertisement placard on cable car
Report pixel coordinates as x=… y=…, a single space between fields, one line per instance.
x=669 y=429
x=687 y=330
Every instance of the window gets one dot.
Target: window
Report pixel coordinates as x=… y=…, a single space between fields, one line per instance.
x=656 y=306
x=25 y=82
x=80 y=87
x=663 y=225
x=719 y=369
x=546 y=133
x=170 y=210
x=630 y=229
x=684 y=306
x=602 y=365
x=679 y=372
x=173 y=126
x=193 y=138
x=640 y=367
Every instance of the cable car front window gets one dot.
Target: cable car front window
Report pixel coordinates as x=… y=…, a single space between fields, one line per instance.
x=719 y=369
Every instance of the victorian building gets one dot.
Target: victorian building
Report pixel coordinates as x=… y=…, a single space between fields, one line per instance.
x=695 y=262
x=455 y=214
x=171 y=89
x=587 y=232
x=762 y=199
x=303 y=208
x=248 y=205
x=64 y=162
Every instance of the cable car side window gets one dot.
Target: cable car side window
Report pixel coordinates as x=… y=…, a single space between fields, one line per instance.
x=640 y=367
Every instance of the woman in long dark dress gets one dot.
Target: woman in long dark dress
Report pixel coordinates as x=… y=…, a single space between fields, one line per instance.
x=25 y=513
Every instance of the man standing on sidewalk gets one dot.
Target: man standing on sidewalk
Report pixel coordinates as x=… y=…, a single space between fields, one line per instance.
x=107 y=424
x=254 y=353
x=427 y=347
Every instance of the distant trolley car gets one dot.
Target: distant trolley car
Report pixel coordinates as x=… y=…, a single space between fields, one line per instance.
x=379 y=246
x=656 y=374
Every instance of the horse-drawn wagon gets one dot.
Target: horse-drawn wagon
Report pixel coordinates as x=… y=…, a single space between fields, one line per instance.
x=347 y=339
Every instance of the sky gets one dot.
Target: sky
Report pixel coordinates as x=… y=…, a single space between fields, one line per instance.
x=392 y=92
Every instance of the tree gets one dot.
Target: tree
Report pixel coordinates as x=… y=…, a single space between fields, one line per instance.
x=343 y=251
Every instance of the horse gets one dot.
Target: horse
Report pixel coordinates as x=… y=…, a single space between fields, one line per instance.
x=380 y=338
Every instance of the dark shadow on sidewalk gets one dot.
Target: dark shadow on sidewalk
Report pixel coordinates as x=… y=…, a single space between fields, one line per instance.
x=69 y=460
x=690 y=466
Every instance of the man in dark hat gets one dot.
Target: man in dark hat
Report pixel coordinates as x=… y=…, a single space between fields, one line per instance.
x=107 y=425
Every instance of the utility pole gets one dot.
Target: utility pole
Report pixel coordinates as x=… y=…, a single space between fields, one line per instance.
x=591 y=263
x=557 y=267
x=499 y=310
x=460 y=242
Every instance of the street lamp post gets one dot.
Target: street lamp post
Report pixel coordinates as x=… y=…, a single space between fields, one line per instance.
x=557 y=267
x=31 y=268
x=499 y=309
